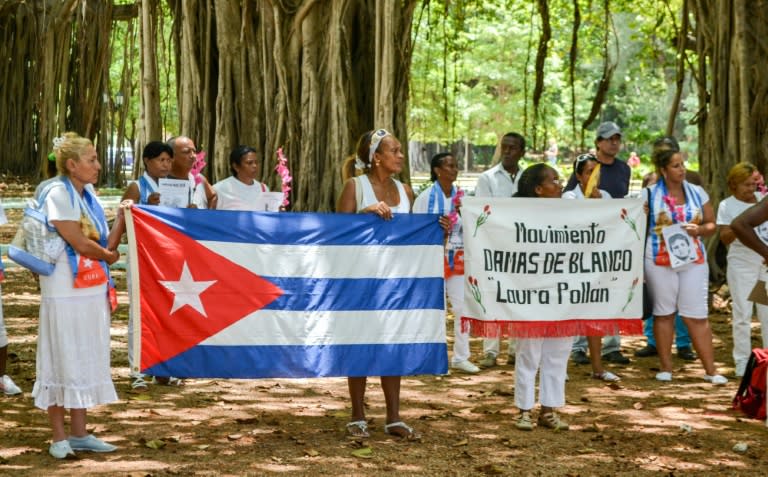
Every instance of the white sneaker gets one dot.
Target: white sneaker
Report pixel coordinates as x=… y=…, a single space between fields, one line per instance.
x=9 y=387
x=606 y=376
x=466 y=366
x=61 y=449
x=664 y=376
x=717 y=379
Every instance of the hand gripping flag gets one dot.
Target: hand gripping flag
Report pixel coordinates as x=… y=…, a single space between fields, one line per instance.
x=255 y=295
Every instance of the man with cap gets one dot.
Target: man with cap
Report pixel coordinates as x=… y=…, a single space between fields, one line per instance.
x=614 y=178
x=614 y=173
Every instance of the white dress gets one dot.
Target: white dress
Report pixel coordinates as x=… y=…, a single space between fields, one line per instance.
x=73 y=368
x=235 y=195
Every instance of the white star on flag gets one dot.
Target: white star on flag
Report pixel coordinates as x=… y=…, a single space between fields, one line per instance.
x=187 y=291
x=87 y=263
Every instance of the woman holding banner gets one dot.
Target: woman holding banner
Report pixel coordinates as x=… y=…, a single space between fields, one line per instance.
x=443 y=198
x=73 y=368
x=549 y=356
x=588 y=187
x=380 y=156
x=675 y=204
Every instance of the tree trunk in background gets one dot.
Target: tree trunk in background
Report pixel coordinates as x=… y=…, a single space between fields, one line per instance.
x=150 y=120
x=733 y=90
x=310 y=77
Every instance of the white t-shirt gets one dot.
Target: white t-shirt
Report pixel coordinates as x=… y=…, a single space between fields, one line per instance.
x=441 y=203
x=578 y=194
x=235 y=195
x=729 y=209
x=497 y=182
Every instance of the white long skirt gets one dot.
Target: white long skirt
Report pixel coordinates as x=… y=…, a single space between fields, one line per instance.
x=73 y=368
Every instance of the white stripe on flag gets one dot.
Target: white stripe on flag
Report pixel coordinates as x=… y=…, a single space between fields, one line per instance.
x=340 y=261
x=273 y=327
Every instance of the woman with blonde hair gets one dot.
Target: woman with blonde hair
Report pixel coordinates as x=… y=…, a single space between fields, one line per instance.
x=744 y=265
x=73 y=368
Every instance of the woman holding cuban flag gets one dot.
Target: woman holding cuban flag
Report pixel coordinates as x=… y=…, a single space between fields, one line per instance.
x=73 y=368
x=379 y=157
x=443 y=198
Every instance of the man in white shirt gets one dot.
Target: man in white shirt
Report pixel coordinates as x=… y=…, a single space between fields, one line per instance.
x=501 y=181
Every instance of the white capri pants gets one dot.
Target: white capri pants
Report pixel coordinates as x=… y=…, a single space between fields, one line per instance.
x=683 y=291
x=550 y=355
x=454 y=288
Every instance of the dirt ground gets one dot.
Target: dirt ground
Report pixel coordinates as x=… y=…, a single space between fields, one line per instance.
x=296 y=427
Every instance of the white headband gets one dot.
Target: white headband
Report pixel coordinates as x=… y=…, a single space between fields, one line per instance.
x=376 y=138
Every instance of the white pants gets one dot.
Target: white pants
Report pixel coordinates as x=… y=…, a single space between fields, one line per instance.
x=492 y=345
x=742 y=276
x=454 y=288
x=550 y=355
x=684 y=291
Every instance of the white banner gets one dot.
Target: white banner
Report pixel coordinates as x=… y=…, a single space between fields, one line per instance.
x=549 y=267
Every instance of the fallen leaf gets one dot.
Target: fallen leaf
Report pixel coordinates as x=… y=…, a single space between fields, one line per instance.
x=155 y=444
x=248 y=420
x=234 y=437
x=172 y=438
x=311 y=453
x=591 y=428
x=586 y=450
x=638 y=405
x=140 y=397
x=363 y=453
x=203 y=446
x=462 y=442
x=276 y=459
x=490 y=469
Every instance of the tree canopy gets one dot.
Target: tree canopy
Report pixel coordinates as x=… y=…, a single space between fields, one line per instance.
x=312 y=76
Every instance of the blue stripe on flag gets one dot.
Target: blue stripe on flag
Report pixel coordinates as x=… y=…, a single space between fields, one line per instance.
x=244 y=362
x=349 y=294
x=301 y=228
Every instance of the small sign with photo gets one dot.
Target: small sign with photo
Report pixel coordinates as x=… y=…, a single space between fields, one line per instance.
x=680 y=246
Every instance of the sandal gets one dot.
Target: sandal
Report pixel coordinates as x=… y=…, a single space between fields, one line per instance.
x=552 y=421
x=139 y=384
x=606 y=376
x=402 y=430
x=358 y=429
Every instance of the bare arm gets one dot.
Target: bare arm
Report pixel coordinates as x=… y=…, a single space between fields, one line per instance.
x=744 y=225
x=210 y=194
x=70 y=231
x=726 y=234
x=707 y=226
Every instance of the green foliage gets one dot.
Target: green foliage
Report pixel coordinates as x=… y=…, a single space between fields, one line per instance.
x=472 y=61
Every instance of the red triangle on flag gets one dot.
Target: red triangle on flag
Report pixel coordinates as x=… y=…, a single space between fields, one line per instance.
x=171 y=324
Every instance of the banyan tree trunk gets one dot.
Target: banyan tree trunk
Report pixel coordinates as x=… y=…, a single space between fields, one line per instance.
x=304 y=75
x=733 y=90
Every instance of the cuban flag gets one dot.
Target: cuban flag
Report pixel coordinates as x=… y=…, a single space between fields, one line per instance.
x=231 y=294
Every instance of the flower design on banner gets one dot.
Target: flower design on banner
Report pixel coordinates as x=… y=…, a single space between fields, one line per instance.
x=631 y=293
x=453 y=215
x=285 y=176
x=483 y=218
x=476 y=294
x=631 y=223
x=198 y=166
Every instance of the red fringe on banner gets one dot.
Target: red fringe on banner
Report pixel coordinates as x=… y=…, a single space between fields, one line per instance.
x=551 y=329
